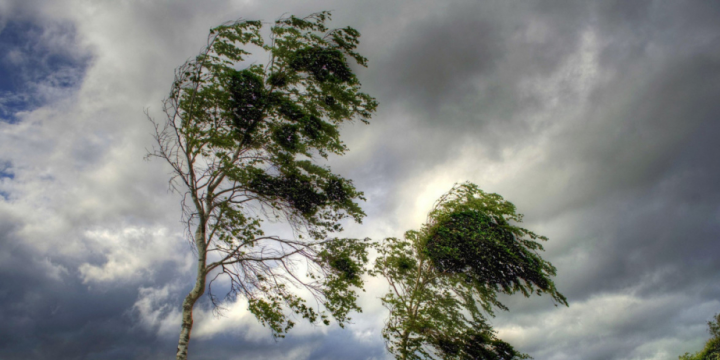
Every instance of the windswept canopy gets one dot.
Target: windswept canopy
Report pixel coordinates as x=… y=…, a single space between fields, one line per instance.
x=445 y=277
x=245 y=142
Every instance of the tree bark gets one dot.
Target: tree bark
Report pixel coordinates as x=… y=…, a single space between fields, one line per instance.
x=194 y=295
x=413 y=310
x=404 y=344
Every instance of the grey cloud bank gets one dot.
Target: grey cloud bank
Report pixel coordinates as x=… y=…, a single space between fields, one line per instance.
x=599 y=120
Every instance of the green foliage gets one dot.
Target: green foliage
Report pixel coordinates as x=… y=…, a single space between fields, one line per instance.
x=347 y=260
x=446 y=277
x=711 y=351
x=244 y=145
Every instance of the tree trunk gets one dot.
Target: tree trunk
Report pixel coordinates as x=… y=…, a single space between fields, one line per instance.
x=404 y=344
x=194 y=295
x=412 y=311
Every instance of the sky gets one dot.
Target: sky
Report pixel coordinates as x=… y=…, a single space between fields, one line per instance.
x=599 y=120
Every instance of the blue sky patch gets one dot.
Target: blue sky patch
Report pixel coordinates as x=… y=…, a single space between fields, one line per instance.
x=6 y=173
x=34 y=59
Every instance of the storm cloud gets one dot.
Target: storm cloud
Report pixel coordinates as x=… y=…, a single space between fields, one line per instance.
x=598 y=119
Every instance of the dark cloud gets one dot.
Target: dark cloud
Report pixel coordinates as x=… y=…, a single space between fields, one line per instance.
x=36 y=62
x=49 y=313
x=439 y=60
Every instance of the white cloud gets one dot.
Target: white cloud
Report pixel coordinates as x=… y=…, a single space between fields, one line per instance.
x=131 y=252
x=155 y=312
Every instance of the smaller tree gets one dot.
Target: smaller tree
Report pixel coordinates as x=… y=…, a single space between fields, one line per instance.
x=445 y=277
x=712 y=347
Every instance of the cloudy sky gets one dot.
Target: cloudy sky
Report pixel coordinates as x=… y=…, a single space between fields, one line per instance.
x=598 y=119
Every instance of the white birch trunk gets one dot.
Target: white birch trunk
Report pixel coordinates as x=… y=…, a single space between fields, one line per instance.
x=194 y=295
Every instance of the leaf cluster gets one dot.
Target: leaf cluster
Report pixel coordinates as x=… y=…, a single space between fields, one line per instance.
x=470 y=233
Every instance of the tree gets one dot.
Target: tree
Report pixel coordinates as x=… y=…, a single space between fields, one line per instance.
x=711 y=351
x=446 y=276
x=243 y=146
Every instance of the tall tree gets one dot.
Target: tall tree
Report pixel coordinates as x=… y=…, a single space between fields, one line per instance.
x=243 y=146
x=445 y=277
